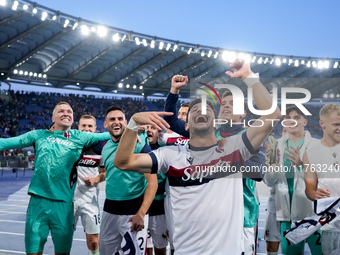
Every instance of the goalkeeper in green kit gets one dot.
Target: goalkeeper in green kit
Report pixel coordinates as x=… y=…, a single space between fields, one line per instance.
x=53 y=181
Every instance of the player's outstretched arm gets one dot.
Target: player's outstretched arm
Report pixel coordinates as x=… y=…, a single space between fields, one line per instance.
x=125 y=158
x=18 y=142
x=263 y=100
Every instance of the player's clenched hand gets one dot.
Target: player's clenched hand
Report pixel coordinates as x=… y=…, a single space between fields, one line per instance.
x=89 y=181
x=179 y=81
x=240 y=70
x=153 y=118
x=137 y=223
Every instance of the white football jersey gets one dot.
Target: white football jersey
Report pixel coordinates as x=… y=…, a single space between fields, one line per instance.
x=206 y=195
x=325 y=162
x=88 y=166
x=172 y=138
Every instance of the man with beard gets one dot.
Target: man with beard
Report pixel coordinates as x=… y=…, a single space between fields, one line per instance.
x=205 y=181
x=128 y=195
x=183 y=111
x=251 y=204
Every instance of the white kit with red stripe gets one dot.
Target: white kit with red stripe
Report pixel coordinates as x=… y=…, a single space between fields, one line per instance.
x=206 y=195
x=88 y=166
x=172 y=139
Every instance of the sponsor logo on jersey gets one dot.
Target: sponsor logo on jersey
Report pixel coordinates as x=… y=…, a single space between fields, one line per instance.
x=181 y=141
x=52 y=140
x=199 y=172
x=88 y=161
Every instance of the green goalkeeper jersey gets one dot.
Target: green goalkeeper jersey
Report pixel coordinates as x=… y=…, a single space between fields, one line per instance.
x=55 y=157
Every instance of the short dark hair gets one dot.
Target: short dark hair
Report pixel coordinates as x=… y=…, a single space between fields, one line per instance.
x=197 y=101
x=294 y=108
x=113 y=108
x=185 y=104
x=228 y=93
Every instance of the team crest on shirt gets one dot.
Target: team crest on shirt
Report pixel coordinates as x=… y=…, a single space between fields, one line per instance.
x=190 y=160
x=334 y=155
x=67 y=134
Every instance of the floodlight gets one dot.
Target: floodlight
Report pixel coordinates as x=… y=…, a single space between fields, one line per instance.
x=278 y=61
x=116 y=37
x=44 y=16
x=66 y=23
x=161 y=45
x=15 y=5
x=85 y=30
x=326 y=64
x=102 y=31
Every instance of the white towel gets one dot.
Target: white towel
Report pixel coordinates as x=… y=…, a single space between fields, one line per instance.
x=326 y=210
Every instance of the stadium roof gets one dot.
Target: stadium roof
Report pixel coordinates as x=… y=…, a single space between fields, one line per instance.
x=41 y=46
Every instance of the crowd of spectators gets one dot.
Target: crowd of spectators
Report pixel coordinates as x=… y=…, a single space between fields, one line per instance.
x=22 y=111
x=27 y=111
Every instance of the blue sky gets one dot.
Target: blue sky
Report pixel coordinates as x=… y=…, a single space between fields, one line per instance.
x=300 y=28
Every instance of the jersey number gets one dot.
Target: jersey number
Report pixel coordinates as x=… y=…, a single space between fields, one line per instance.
x=97 y=219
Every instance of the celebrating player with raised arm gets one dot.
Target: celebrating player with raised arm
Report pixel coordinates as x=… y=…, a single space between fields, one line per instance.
x=207 y=205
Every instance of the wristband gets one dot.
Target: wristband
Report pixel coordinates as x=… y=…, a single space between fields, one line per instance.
x=252 y=79
x=133 y=125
